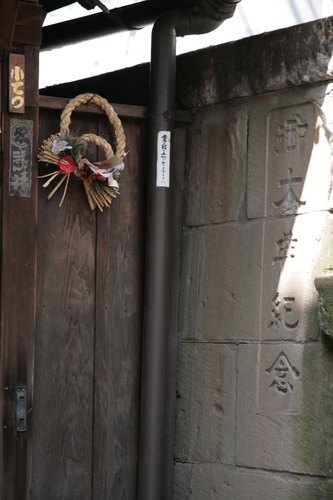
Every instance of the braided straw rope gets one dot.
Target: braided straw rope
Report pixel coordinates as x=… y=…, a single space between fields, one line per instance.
x=99 y=141
x=98 y=194
x=65 y=120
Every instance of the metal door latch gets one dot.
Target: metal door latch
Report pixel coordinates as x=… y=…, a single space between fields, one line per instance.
x=21 y=409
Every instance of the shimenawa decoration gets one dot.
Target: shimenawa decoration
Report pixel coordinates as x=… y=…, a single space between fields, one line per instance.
x=66 y=150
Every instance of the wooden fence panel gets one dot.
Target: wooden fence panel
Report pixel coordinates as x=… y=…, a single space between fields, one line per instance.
x=63 y=408
x=89 y=325
x=119 y=303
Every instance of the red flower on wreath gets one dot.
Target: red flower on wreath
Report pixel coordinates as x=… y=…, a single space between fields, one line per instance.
x=100 y=178
x=66 y=164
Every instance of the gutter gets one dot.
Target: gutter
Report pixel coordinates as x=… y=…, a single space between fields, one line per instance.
x=155 y=462
x=130 y=17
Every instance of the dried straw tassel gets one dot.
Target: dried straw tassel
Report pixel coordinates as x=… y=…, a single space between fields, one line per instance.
x=65 y=190
x=53 y=174
x=58 y=186
x=88 y=188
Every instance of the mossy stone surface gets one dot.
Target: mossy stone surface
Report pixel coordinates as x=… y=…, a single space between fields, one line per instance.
x=324 y=286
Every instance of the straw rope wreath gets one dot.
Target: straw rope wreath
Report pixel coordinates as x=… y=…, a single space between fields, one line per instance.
x=67 y=151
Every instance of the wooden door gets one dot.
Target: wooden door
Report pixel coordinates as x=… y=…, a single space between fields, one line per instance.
x=88 y=326
x=72 y=306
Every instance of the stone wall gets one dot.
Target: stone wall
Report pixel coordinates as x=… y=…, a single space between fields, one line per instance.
x=255 y=373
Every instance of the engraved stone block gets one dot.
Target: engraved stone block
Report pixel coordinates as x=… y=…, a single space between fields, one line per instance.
x=213 y=481
x=290 y=134
x=296 y=250
x=290 y=167
x=284 y=407
x=220 y=282
x=280 y=379
x=206 y=398
x=216 y=176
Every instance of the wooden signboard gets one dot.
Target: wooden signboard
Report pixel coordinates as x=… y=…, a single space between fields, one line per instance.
x=16 y=83
x=20 y=161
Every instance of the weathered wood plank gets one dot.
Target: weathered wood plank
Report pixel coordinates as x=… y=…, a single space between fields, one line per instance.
x=63 y=408
x=28 y=27
x=123 y=110
x=119 y=283
x=17 y=319
x=8 y=14
x=31 y=83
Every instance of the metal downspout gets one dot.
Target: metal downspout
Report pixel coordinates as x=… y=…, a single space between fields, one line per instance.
x=153 y=463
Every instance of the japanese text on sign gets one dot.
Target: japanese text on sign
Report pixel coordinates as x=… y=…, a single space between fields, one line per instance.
x=163 y=159
x=16 y=83
x=21 y=135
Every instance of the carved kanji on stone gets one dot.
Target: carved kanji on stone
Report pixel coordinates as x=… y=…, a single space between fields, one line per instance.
x=283 y=374
x=290 y=133
x=289 y=203
x=282 y=313
x=285 y=247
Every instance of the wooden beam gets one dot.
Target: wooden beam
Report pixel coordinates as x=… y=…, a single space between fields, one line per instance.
x=8 y=14
x=122 y=110
x=28 y=28
x=18 y=284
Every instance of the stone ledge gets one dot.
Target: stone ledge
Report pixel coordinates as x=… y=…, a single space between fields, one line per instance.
x=281 y=59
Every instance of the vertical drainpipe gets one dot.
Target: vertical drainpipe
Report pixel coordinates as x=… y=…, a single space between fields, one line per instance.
x=205 y=17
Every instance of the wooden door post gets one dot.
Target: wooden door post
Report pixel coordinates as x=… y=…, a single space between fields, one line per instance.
x=19 y=112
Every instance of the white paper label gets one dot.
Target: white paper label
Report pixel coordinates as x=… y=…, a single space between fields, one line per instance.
x=163 y=159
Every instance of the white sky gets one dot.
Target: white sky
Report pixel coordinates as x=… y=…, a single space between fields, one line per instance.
x=129 y=48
